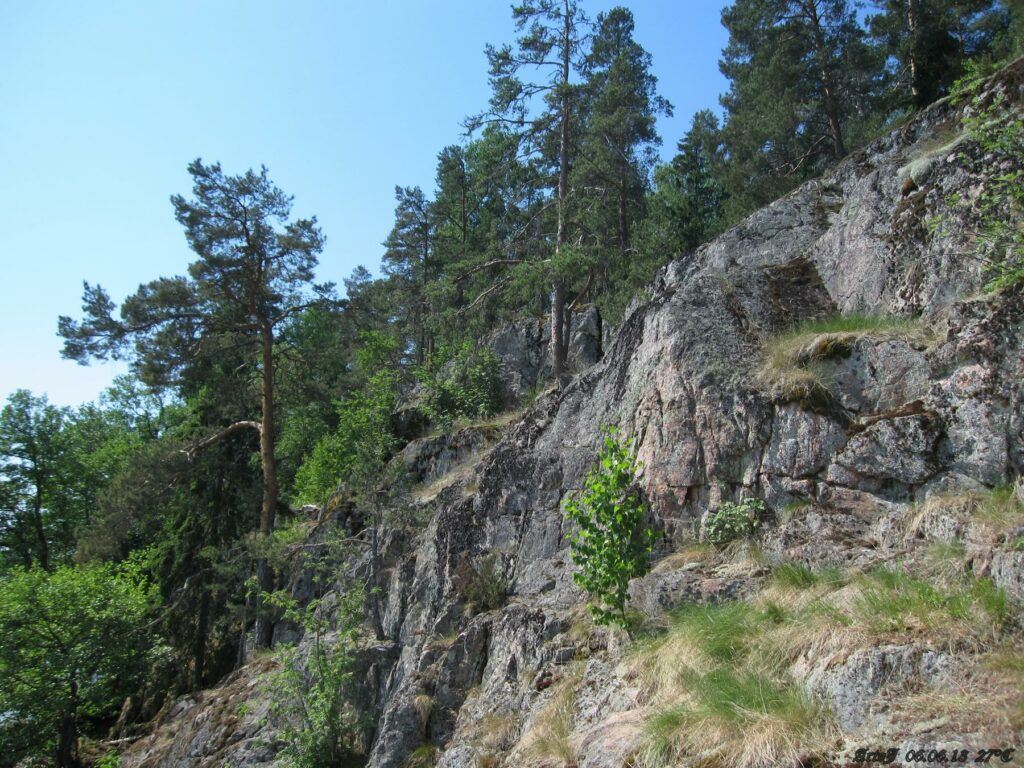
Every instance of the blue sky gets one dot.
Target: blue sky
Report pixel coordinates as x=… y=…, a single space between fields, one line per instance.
x=105 y=103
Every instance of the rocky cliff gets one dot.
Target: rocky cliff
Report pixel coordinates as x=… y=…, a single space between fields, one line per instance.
x=882 y=441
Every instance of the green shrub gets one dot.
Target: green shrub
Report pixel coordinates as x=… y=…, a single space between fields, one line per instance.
x=362 y=442
x=733 y=521
x=460 y=382
x=311 y=695
x=610 y=546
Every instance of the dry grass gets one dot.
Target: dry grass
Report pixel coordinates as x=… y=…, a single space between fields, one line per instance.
x=1000 y=510
x=424 y=756
x=739 y=721
x=995 y=512
x=548 y=742
x=443 y=642
x=792 y=366
x=581 y=624
x=957 y=505
x=459 y=474
x=712 y=699
x=718 y=679
x=688 y=553
x=495 y=732
x=424 y=706
x=986 y=698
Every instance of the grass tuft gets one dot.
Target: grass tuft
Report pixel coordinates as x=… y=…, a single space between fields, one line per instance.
x=795 y=576
x=424 y=756
x=793 y=364
x=424 y=706
x=719 y=678
x=549 y=739
x=996 y=511
x=740 y=719
x=893 y=602
x=1000 y=508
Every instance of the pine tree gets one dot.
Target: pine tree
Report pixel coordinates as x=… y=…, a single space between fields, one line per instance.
x=799 y=73
x=688 y=207
x=927 y=42
x=551 y=47
x=619 y=142
x=407 y=259
x=489 y=236
x=253 y=273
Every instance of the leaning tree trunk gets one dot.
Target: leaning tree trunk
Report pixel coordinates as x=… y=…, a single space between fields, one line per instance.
x=264 y=573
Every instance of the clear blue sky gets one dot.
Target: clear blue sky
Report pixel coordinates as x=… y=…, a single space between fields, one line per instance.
x=105 y=103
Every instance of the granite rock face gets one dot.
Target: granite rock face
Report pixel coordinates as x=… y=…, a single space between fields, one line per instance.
x=845 y=477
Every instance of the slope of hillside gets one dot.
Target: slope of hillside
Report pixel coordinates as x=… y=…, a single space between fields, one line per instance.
x=867 y=613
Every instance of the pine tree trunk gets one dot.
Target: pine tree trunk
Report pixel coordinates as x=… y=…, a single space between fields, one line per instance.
x=827 y=81
x=913 y=26
x=623 y=221
x=265 y=576
x=557 y=330
x=199 y=644
x=557 y=289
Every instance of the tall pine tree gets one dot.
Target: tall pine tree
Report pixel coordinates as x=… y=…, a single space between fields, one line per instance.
x=620 y=138
x=253 y=273
x=550 y=50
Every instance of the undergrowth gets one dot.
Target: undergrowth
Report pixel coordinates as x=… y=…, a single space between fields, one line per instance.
x=718 y=678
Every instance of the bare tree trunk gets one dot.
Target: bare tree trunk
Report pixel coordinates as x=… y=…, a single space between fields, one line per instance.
x=557 y=329
x=557 y=290
x=265 y=576
x=199 y=643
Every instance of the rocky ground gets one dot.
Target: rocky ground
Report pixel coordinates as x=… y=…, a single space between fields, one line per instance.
x=882 y=446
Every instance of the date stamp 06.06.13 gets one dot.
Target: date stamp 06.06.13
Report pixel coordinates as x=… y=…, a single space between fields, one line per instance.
x=891 y=755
